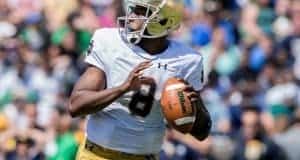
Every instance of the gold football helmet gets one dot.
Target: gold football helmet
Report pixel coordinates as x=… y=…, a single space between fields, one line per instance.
x=161 y=17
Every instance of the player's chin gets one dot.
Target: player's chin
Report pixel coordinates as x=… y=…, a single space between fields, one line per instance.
x=135 y=26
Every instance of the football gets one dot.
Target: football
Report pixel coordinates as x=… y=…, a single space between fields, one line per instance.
x=176 y=106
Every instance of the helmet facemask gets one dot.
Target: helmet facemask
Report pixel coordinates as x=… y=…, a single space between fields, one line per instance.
x=150 y=16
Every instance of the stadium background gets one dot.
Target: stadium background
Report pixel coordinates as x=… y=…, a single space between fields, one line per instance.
x=251 y=51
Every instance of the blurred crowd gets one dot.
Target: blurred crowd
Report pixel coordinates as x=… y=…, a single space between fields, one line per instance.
x=251 y=51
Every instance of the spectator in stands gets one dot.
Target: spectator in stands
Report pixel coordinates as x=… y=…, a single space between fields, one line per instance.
x=61 y=143
x=289 y=140
x=252 y=143
x=25 y=150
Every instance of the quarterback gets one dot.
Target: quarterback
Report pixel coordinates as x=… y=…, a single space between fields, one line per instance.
x=120 y=90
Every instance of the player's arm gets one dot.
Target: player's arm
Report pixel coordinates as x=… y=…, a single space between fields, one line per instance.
x=202 y=124
x=90 y=94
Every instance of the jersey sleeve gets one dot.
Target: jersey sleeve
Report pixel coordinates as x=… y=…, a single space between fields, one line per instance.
x=195 y=73
x=94 y=54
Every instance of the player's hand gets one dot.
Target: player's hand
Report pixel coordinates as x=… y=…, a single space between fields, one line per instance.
x=190 y=91
x=136 y=78
x=202 y=124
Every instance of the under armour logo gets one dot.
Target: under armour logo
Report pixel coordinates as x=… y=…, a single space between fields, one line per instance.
x=164 y=66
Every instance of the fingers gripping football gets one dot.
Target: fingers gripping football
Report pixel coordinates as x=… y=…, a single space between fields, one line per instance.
x=177 y=101
x=190 y=91
x=177 y=106
x=202 y=124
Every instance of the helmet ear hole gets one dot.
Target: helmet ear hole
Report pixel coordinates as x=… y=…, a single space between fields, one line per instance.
x=163 y=21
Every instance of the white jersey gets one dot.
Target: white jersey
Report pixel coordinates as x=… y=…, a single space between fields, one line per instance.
x=114 y=127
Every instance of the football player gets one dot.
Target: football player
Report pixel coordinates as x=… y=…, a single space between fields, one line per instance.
x=121 y=88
